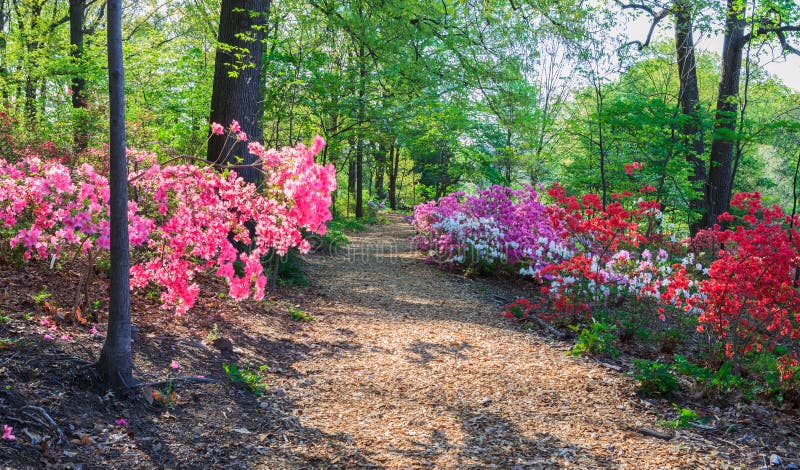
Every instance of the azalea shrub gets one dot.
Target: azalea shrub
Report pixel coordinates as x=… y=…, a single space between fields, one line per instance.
x=735 y=286
x=750 y=300
x=496 y=228
x=183 y=218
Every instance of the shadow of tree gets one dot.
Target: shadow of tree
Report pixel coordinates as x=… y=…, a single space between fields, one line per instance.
x=428 y=352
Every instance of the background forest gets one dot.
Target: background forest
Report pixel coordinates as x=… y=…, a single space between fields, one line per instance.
x=417 y=99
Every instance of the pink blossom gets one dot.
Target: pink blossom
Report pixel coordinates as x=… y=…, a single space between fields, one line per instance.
x=48 y=337
x=217 y=128
x=7 y=433
x=235 y=127
x=174 y=365
x=181 y=221
x=121 y=422
x=242 y=136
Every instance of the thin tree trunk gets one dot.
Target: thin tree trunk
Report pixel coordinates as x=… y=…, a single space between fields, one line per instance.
x=380 y=171
x=362 y=80
x=80 y=122
x=394 y=167
x=115 y=365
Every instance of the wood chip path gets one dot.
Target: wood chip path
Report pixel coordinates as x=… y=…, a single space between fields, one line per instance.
x=414 y=368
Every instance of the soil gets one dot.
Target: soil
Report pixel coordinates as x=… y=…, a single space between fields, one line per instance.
x=403 y=366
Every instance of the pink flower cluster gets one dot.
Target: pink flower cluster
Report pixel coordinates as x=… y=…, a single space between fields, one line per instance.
x=498 y=226
x=181 y=217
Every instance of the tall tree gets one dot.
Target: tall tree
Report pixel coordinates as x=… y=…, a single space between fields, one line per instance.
x=116 y=364
x=719 y=183
x=79 y=104
x=767 y=20
x=237 y=79
x=683 y=13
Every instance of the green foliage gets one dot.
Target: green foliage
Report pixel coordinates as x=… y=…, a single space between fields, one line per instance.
x=289 y=270
x=42 y=296
x=686 y=418
x=10 y=342
x=247 y=379
x=213 y=334
x=299 y=315
x=654 y=378
x=720 y=381
x=596 y=340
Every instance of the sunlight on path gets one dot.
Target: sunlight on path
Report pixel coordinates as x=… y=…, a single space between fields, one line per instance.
x=415 y=368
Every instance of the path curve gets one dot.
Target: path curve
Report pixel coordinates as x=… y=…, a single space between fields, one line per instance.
x=420 y=371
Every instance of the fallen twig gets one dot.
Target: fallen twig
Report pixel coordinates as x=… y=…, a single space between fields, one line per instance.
x=652 y=433
x=49 y=420
x=553 y=330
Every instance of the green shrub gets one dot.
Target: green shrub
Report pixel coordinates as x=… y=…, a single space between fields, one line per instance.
x=247 y=379
x=597 y=340
x=654 y=377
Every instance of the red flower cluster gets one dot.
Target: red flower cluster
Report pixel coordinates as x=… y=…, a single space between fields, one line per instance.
x=750 y=299
x=519 y=309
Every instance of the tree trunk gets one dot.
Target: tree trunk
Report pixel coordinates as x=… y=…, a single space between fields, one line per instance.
x=689 y=98
x=362 y=80
x=380 y=171
x=115 y=365
x=394 y=169
x=720 y=182
x=4 y=16
x=236 y=83
x=80 y=129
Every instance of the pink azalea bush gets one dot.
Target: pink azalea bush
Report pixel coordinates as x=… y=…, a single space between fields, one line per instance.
x=183 y=219
x=497 y=227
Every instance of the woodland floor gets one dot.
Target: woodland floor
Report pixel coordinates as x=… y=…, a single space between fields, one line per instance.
x=405 y=366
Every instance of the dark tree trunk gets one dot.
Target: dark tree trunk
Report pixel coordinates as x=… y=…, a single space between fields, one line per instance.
x=80 y=120
x=362 y=81
x=720 y=182
x=236 y=82
x=4 y=16
x=115 y=365
x=380 y=171
x=394 y=169
x=689 y=98
x=32 y=46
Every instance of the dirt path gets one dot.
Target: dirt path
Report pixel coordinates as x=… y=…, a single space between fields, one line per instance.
x=415 y=368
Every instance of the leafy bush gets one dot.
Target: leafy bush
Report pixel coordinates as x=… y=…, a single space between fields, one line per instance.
x=597 y=340
x=654 y=378
x=252 y=381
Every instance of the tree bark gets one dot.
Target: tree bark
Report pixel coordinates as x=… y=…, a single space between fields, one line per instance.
x=718 y=188
x=236 y=83
x=115 y=365
x=689 y=98
x=394 y=169
x=80 y=129
x=362 y=80
x=380 y=171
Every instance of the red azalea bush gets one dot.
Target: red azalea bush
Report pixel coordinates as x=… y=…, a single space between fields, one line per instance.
x=750 y=299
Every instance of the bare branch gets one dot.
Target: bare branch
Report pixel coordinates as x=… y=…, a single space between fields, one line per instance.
x=656 y=18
